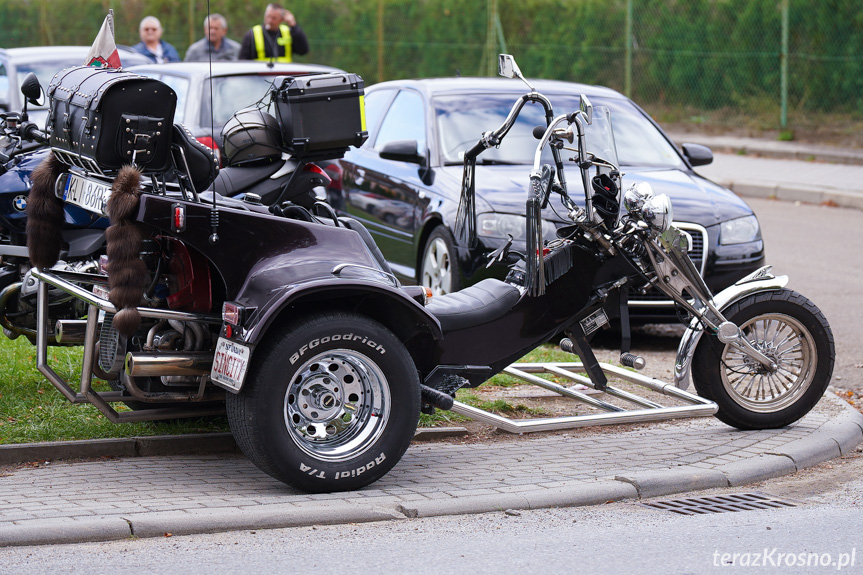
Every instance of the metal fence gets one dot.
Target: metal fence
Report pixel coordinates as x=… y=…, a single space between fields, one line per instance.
x=769 y=63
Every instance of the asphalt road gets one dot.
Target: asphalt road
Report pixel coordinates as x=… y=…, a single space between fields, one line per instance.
x=821 y=249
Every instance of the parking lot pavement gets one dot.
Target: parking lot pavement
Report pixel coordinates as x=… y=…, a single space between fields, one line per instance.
x=118 y=497
x=784 y=170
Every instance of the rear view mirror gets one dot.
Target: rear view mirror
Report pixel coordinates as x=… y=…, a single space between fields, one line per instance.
x=402 y=151
x=586 y=108
x=32 y=89
x=507 y=67
x=697 y=154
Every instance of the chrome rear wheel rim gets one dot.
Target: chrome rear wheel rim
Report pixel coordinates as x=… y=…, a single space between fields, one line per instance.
x=337 y=405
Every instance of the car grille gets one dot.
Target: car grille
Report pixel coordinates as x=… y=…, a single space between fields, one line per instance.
x=656 y=297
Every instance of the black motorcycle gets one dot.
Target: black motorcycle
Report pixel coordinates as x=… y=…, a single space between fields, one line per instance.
x=324 y=360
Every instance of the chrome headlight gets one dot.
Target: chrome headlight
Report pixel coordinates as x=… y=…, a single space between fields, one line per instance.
x=493 y=225
x=739 y=231
x=636 y=196
x=657 y=212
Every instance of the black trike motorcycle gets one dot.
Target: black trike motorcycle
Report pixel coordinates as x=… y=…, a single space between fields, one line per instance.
x=288 y=316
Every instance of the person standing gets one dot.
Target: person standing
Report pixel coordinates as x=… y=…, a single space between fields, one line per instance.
x=277 y=39
x=151 y=45
x=215 y=42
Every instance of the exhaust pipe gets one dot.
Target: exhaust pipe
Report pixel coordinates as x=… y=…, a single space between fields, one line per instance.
x=70 y=331
x=140 y=364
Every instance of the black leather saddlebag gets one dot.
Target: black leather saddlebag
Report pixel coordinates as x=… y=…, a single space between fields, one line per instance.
x=321 y=114
x=102 y=119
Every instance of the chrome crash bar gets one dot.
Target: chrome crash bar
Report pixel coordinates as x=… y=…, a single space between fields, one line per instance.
x=85 y=393
x=648 y=410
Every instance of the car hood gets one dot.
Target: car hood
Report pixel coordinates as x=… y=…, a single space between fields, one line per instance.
x=694 y=198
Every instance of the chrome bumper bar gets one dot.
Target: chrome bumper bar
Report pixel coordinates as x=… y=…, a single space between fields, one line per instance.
x=649 y=410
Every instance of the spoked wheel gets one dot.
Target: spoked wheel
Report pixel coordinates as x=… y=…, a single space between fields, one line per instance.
x=438 y=269
x=794 y=334
x=330 y=404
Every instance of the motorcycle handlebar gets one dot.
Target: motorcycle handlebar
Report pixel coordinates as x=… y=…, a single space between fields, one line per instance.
x=29 y=131
x=477 y=149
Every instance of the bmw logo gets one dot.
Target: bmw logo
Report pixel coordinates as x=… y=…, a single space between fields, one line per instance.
x=20 y=203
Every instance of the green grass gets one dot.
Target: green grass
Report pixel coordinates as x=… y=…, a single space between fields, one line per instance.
x=31 y=410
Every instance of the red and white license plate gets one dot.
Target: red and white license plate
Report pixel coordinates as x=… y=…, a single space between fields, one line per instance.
x=92 y=195
x=230 y=364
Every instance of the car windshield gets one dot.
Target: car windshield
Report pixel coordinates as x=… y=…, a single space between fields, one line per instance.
x=462 y=119
x=231 y=93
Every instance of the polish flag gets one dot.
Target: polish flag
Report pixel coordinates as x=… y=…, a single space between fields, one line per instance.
x=103 y=53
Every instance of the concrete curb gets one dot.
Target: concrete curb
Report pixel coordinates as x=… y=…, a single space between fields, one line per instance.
x=191 y=444
x=773 y=148
x=64 y=530
x=124 y=447
x=794 y=194
x=667 y=481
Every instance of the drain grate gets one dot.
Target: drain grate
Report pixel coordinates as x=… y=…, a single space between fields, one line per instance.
x=721 y=503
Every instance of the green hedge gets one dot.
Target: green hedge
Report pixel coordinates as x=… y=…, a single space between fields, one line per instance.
x=706 y=54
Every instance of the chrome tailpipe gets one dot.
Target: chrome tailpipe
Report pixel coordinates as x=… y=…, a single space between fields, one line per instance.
x=70 y=331
x=143 y=364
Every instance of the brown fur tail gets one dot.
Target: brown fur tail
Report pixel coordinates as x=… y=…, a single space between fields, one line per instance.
x=45 y=214
x=127 y=273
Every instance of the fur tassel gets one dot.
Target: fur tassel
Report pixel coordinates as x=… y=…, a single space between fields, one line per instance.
x=45 y=214
x=127 y=273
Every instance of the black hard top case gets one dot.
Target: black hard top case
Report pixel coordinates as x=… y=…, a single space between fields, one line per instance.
x=104 y=118
x=321 y=114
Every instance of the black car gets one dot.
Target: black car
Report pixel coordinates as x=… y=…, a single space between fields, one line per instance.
x=404 y=183
x=44 y=61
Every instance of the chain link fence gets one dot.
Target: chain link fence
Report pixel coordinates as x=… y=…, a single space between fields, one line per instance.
x=752 y=64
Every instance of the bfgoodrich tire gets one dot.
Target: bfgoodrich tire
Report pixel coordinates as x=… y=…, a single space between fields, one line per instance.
x=791 y=331
x=331 y=403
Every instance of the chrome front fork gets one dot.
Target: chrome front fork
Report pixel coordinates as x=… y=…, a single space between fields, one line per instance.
x=678 y=277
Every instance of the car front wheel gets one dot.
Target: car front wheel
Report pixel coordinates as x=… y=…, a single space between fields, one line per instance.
x=438 y=269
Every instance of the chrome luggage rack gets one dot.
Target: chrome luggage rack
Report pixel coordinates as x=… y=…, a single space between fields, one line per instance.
x=71 y=283
x=613 y=414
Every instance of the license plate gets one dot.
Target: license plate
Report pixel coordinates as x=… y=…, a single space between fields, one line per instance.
x=92 y=195
x=229 y=364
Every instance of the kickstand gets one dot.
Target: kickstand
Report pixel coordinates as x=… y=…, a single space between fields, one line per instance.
x=577 y=343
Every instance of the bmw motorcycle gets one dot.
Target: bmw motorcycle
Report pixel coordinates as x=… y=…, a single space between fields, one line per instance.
x=22 y=149
x=288 y=316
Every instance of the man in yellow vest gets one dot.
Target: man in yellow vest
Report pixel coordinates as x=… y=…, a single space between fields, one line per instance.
x=277 y=39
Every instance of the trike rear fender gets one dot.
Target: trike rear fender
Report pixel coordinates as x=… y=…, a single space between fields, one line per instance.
x=760 y=280
x=387 y=304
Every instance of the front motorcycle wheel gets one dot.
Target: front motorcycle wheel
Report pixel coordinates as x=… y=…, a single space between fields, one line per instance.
x=331 y=403
x=791 y=331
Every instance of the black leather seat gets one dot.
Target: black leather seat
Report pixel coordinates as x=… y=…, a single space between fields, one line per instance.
x=474 y=305
x=232 y=181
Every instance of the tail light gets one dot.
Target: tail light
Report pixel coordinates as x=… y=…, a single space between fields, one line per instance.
x=211 y=143
x=315 y=169
x=334 y=171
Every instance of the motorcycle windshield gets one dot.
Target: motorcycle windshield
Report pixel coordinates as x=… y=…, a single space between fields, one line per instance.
x=599 y=139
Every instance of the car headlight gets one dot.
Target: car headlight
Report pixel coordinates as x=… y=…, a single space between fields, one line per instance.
x=739 y=231
x=493 y=225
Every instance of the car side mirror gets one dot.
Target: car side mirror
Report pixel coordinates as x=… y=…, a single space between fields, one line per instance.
x=697 y=154
x=507 y=67
x=403 y=151
x=32 y=89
